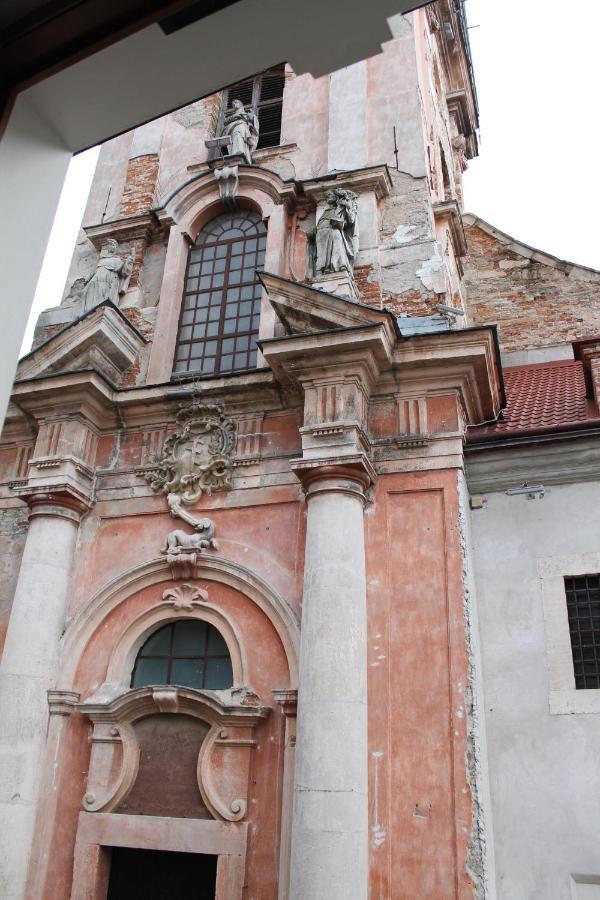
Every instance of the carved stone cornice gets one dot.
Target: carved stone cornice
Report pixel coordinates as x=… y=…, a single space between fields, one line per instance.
x=371 y=178
x=216 y=707
x=61 y=500
x=102 y=339
x=130 y=228
x=62 y=703
x=287 y=700
x=449 y=213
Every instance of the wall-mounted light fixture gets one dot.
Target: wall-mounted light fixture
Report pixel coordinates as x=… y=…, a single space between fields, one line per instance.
x=533 y=491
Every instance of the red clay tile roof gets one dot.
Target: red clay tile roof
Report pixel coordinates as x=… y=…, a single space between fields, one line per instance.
x=542 y=397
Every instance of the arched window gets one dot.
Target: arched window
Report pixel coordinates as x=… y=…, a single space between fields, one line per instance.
x=221 y=301
x=187 y=653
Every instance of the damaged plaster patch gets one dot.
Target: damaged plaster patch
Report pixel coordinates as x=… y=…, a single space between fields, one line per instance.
x=404 y=234
x=431 y=273
x=477 y=855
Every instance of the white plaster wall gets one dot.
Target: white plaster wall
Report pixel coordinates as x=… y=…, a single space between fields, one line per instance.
x=544 y=771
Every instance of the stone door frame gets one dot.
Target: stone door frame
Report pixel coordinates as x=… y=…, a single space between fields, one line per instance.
x=97 y=833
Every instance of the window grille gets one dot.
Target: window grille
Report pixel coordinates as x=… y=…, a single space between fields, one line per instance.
x=583 y=607
x=185 y=653
x=264 y=94
x=220 y=312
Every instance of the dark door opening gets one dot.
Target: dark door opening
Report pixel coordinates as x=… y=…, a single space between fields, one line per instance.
x=161 y=875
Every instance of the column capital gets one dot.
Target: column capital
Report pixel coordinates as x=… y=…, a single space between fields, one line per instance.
x=60 y=500
x=343 y=474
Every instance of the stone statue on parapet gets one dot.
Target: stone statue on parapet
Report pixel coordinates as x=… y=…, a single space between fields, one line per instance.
x=337 y=233
x=111 y=278
x=241 y=126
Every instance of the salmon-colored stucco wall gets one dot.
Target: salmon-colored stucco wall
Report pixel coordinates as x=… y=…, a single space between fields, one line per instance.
x=420 y=802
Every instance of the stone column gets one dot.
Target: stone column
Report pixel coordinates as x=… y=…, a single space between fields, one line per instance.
x=330 y=816
x=28 y=670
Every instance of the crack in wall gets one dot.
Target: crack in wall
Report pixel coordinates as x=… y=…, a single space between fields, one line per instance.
x=478 y=863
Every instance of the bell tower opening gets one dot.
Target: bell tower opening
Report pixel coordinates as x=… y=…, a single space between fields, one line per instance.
x=160 y=875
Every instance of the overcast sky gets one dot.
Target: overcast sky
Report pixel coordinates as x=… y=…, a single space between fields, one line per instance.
x=536 y=69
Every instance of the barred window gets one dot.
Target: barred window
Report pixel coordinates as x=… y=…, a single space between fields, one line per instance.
x=583 y=608
x=264 y=94
x=220 y=312
x=185 y=653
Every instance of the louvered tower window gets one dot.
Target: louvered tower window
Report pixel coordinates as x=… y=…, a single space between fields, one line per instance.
x=583 y=608
x=264 y=94
x=220 y=312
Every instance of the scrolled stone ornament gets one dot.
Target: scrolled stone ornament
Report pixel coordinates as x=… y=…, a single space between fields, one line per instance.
x=196 y=460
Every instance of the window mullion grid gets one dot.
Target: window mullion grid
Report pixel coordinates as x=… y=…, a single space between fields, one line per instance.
x=170 y=659
x=205 y=657
x=223 y=313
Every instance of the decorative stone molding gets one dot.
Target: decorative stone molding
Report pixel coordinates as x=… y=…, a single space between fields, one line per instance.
x=371 y=178
x=182 y=202
x=287 y=700
x=130 y=228
x=103 y=339
x=184 y=597
x=228 y=180
x=448 y=213
x=196 y=460
x=62 y=703
x=210 y=568
x=60 y=499
x=224 y=758
x=346 y=475
x=336 y=370
x=303 y=309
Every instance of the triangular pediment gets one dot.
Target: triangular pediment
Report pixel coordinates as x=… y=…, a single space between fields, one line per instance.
x=303 y=309
x=102 y=339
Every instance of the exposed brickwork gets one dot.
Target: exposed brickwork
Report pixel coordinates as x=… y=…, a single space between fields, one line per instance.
x=412 y=303
x=140 y=183
x=537 y=301
x=368 y=288
x=138 y=321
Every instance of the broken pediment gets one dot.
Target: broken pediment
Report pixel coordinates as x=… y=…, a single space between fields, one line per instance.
x=304 y=310
x=103 y=339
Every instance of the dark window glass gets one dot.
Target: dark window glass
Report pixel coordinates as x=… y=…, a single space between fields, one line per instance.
x=264 y=94
x=583 y=607
x=186 y=653
x=223 y=297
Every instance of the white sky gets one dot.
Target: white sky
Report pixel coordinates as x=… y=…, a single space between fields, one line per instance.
x=537 y=64
x=536 y=70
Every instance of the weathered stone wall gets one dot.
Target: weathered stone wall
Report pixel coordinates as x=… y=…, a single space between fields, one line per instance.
x=536 y=299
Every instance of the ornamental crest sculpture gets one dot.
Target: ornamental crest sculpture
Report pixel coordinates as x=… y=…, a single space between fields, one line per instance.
x=196 y=459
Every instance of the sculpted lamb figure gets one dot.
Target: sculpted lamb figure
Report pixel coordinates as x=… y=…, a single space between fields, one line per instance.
x=179 y=541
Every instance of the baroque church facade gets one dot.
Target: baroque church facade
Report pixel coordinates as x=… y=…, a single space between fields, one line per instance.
x=300 y=592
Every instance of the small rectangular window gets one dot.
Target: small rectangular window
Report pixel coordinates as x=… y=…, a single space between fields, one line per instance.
x=583 y=608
